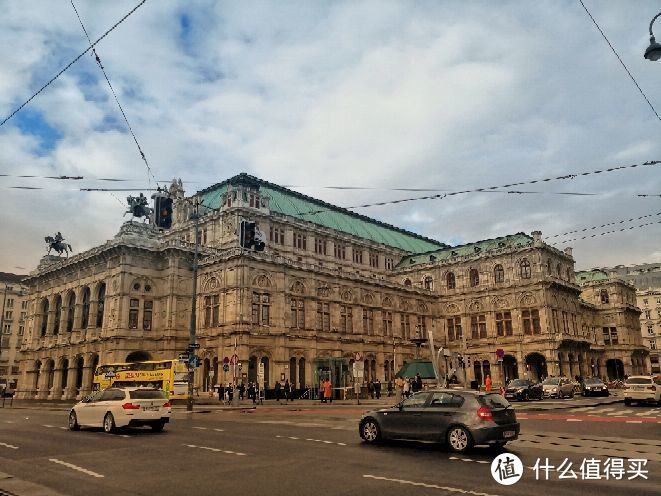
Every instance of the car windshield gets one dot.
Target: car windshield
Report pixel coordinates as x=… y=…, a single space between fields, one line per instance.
x=639 y=380
x=146 y=394
x=593 y=380
x=553 y=382
x=495 y=401
x=519 y=382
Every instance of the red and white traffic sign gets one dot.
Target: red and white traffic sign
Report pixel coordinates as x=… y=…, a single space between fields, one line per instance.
x=226 y=360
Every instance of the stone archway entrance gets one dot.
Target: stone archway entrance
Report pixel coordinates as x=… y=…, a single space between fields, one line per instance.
x=536 y=365
x=138 y=356
x=510 y=369
x=615 y=369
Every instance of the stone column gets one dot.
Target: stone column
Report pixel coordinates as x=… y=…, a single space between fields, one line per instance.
x=71 y=390
x=44 y=377
x=86 y=386
x=58 y=374
x=29 y=382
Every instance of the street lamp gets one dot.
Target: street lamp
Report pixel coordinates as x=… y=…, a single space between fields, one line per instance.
x=653 y=52
x=195 y=217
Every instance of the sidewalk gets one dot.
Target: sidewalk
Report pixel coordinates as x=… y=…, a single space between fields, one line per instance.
x=17 y=487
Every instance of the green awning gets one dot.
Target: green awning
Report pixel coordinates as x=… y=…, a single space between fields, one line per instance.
x=422 y=367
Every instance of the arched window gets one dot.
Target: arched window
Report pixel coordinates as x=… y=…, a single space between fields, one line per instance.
x=474 y=277
x=558 y=269
x=407 y=283
x=548 y=267
x=84 y=321
x=604 y=296
x=58 y=315
x=428 y=283
x=525 y=269
x=44 y=316
x=499 y=273
x=101 y=301
x=71 y=308
x=450 y=280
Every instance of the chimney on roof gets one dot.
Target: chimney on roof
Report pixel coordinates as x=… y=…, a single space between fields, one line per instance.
x=536 y=238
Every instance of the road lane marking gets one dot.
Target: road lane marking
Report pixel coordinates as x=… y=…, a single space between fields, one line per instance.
x=9 y=422
x=219 y=430
x=75 y=467
x=216 y=450
x=424 y=484
x=634 y=422
x=64 y=428
x=8 y=445
x=200 y=428
x=46 y=425
x=574 y=420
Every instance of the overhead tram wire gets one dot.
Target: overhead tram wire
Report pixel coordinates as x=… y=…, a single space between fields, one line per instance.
x=621 y=61
x=592 y=228
x=72 y=62
x=615 y=231
x=490 y=189
x=105 y=74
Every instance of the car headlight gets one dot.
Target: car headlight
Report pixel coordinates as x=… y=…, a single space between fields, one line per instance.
x=555 y=389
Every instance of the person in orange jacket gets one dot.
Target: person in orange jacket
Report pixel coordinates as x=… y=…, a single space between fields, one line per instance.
x=487 y=383
x=328 y=391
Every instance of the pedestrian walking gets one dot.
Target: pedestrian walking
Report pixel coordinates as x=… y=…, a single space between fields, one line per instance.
x=377 y=389
x=278 y=390
x=487 y=383
x=221 y=393
x=407 y=387
x=328 y=391
x=287 y=389
x=242 y=390
x=389 y=389
x=418 y=382
x=370 y=389
x=230 y=392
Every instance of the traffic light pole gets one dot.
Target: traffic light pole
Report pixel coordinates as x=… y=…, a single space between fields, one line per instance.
x=193 y=315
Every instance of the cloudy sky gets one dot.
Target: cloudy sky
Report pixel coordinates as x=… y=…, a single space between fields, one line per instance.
x=447 y=95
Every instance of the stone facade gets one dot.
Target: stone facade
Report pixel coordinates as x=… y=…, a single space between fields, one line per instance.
x=330 y=284
x=649 y=301
x=12 y=327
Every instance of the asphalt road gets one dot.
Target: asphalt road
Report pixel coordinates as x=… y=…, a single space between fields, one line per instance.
x=304 y=449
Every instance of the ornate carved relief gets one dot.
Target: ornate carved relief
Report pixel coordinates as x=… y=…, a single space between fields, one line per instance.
x=475 y=306
x=298 y=287
x=368 y=298
x=528 y=300
x=346 y=295
x=323 y=291
x=262 y=281
x=452 y=308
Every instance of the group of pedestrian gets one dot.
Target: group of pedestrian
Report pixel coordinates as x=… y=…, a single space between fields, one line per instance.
x=326 y=391
x=408 y=385
x=287 y=390
x=374 y=389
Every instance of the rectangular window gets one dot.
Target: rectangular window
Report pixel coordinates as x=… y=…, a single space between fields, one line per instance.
x=504 y=323
x=10 y=303
x=340 y=251
x=21 y=330
x=346 y=318
x=556 y=322
x=147 y=309
x=134 y=307
x=475 y=329
x=6 y=329
x=323 y=316
x=650 y=329
x=298 y=313
x=527 y=322
x=357 y=255
x=24 y=305
x=390 y=263
x=536 y=325
x=422 y=326
x=387 y=323
x=207 y=311
x=406 y=326
x=9 y=314
x=648 y=314
x=261 y=304
x=565 y=323
x=613 y=333
x=574 y=326
x=215 y=310
x=300 y=241
x=277 y=235
x=374 y=260
x=606 y=334
x=368 y=321
x=454 y=328
x=320 y=246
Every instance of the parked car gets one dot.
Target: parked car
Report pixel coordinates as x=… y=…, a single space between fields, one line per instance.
x=558 y=387
x=642 y=389
x=121 y=407
x=593 y=386
x=523 y=390
x=460 y=418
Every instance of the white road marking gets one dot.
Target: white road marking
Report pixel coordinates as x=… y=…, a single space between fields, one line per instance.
x=217 y=450
x=423 y=484
x=482 y=461
x=342 y=444
x=200 y=428
x=219 y=430
x=124 y=435
x=293 y=437
x=75 y=467
x=634 y=422
x=8 y=445
x=64 y=428
x=574 y=420
x=9 y=422
x=46 y=425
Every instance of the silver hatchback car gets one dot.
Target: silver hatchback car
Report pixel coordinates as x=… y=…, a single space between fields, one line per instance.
x=558 y=387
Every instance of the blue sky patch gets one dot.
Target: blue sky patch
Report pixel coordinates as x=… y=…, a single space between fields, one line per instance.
x=32 y=122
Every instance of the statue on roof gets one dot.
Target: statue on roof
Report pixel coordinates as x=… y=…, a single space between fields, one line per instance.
x=138 y=207
x=57 y=243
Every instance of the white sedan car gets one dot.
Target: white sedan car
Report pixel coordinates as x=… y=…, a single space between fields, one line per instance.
x=642 y=388
x=121 y=407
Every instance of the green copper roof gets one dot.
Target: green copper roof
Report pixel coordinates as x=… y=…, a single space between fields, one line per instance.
x=422 y=367
x=591 y=276
x=288 y=202
x=511 y=241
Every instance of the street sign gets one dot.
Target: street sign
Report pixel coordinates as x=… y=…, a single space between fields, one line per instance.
x=184 y=356
x=226 y=367
x=193 y=346
x=358 y=369
x=234 y=360
x=500 y=353
x=358 y=356
x=260 y=375
x=194 y=361
x=226 y=360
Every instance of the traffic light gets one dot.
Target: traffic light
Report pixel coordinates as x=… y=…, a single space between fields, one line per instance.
x=162 y=210
x=250 y=237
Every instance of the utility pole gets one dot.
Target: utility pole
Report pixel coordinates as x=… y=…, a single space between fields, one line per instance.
x=2 y=331
x=193 y=315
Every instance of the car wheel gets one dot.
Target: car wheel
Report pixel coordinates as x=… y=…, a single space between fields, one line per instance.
x=109 y=423
x=459 y=439
x=571 y=395
x=524 y=396
x=370 y=431
x=157 y=426
x=560 y=395
x=73 y=421
x=627 y=402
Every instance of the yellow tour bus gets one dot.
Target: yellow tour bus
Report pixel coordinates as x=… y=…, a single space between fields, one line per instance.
x=169 y=375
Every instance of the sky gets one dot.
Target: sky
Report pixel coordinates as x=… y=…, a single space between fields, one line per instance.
x=446 y=95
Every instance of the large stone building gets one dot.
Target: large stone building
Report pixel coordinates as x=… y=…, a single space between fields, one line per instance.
x=330 y=284
x=12 y=327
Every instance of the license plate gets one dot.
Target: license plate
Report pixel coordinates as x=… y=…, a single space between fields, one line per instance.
x=508 y=434
x=150 y=408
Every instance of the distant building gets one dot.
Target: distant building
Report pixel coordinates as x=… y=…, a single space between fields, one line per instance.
x=14 y=301
x=331 y=284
